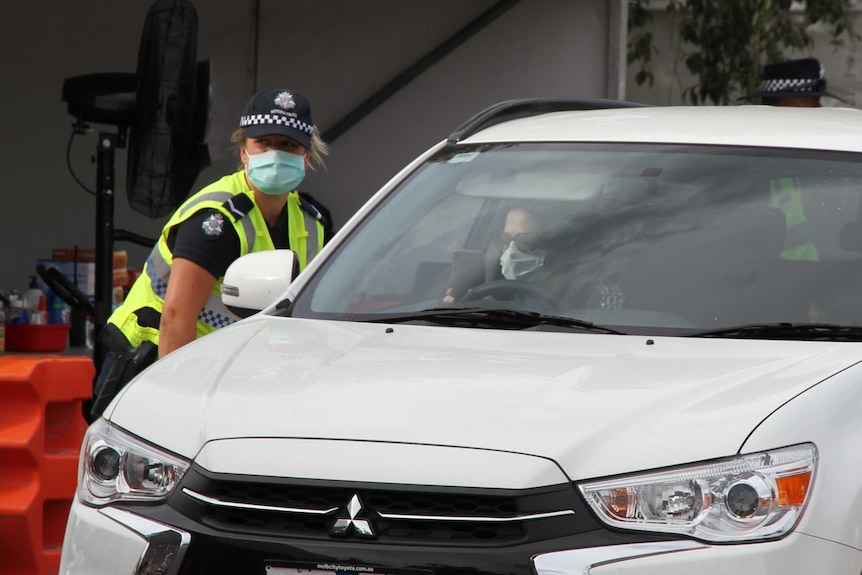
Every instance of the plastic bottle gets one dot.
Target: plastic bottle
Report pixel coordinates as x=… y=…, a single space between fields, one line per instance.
x=16 y=308
x=32 y=297
x=41 y=315
x=58 y=310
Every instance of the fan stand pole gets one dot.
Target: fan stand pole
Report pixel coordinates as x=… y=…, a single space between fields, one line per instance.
x=105 y=151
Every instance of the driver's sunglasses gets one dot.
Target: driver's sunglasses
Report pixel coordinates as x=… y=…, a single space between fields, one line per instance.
x=525 y=241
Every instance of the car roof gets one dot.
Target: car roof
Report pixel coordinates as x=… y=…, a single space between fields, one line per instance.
x=745 y=125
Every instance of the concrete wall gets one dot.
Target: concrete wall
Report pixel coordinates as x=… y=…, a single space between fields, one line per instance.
x=336 y=52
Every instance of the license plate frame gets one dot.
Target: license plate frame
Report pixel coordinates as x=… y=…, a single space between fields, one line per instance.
x=333 y=568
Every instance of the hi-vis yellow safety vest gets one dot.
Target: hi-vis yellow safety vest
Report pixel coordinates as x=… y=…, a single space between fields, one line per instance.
x=139 y=315
x=786 y=194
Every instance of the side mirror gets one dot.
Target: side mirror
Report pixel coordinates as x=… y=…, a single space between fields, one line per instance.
x=253 y=282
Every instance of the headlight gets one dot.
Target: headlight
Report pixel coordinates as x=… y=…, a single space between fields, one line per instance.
x=744 y=498
x=115 y=465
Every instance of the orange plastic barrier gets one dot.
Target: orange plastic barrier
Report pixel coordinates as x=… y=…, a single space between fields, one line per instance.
x=41 y=428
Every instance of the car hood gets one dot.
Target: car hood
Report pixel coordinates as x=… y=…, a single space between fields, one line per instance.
x=595 y=404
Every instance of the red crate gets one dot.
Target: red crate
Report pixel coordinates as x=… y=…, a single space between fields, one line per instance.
x=37 y=337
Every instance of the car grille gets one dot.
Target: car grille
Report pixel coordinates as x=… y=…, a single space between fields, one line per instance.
x=395 y=514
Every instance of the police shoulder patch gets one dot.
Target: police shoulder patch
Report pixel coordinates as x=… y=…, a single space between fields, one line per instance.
x=213 y=225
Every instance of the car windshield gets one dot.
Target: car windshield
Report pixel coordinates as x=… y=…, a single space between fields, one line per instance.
x=646 y=238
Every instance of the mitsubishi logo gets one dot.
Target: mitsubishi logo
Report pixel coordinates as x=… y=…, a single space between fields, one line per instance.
x=343 y=524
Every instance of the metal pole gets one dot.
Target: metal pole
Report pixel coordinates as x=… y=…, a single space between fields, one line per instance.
x=104 y=239
x=618 y=14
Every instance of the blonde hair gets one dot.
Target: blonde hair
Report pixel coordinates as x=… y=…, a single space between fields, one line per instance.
x=319 y=148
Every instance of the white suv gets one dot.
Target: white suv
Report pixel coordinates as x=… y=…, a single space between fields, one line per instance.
x=562 y=341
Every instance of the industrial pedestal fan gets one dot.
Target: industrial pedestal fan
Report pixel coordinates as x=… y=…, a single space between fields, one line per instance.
x=161 y=113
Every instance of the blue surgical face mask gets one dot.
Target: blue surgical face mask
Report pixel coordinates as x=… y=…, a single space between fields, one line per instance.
x=275 y=172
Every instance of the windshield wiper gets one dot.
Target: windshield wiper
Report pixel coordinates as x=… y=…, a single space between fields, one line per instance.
x=791 y=331
x=486 y=317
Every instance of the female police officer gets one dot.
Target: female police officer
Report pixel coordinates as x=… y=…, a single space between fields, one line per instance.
x=177 y=297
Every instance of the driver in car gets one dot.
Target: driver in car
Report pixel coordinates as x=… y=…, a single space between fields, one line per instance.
x=521 y=259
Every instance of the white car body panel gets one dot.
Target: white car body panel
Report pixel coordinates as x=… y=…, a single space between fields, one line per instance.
x=824 y=128
x=795 y=554
x=96 y=534
x=379 y=462
x=481 y=389
x=827 y=415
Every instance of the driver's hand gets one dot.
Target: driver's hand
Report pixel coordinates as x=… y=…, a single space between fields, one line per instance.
x=449 y=297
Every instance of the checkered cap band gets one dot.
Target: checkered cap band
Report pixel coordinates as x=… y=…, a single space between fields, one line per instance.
x=792 y=85
x=271 y=119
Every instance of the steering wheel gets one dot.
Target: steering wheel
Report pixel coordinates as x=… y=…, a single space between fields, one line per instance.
x=66 y=290
x=509 y=290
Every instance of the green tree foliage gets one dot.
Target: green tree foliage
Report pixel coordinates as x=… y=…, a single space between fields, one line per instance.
x=726 y=42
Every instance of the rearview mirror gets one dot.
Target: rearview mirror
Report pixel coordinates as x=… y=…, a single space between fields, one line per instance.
x=254 y=281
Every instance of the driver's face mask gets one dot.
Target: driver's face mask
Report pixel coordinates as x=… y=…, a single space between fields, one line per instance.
x=515 y=264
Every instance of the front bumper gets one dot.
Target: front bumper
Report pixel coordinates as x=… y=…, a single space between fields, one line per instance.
x=110 y=540
x=795 y=554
